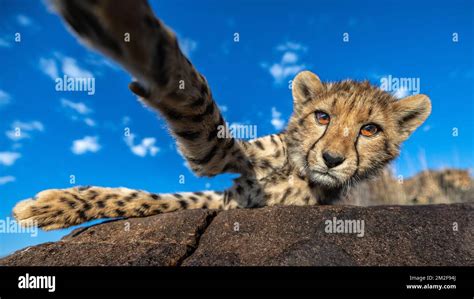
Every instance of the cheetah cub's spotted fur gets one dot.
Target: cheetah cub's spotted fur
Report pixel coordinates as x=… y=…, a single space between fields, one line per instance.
x=339 y=133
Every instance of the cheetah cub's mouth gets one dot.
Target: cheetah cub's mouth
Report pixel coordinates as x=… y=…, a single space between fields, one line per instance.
x=330 y=171
x=324 y=178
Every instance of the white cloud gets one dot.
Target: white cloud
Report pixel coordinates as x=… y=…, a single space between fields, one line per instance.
x=49 y=6
x=142 y=149
x=288 y=65
x=23 y=20
x=90 y=122
x=9 y=158
x=6 y=179
x=4 y=98
x=289 y=57
x=86 y=144
x=48 y=66
x=277 y=122
x=280 y=71
x=78 y=110
x=68 y=66
x=401 y=93
x=188 y=46
x=78 y=107
x=126 y=120
x=291 y=46
x=21 y=130
x=29 y=126
x=71 y=69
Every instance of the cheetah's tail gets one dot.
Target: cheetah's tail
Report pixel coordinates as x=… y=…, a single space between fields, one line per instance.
x=61 y=208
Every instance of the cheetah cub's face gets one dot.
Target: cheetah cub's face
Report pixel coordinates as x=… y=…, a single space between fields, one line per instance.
x=346 y=131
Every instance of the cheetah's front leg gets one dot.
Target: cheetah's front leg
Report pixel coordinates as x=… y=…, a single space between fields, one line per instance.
x=129 y=32
x=60 y=208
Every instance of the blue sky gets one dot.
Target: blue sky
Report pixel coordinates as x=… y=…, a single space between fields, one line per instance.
x=66 y=134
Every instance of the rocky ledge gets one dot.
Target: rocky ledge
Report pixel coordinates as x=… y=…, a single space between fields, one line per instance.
x=270 y=236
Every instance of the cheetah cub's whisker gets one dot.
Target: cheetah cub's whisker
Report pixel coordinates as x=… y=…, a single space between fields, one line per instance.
x=339 y=133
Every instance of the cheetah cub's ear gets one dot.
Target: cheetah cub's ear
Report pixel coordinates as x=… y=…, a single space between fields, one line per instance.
x=306 y=87
x=410 y=113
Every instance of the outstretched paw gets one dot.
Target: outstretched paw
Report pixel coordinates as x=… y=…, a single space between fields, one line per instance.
x=49 y=209
x=125 y=30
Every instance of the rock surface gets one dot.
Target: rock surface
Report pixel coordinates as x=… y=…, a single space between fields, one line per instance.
x=290 y=236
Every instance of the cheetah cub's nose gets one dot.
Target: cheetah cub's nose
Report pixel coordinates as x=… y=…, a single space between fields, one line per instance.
x=332 y=160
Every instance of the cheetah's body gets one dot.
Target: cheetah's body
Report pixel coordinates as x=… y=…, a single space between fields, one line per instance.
x=311 y=162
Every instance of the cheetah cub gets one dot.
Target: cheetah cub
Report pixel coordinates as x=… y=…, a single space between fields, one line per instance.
x=339 y=133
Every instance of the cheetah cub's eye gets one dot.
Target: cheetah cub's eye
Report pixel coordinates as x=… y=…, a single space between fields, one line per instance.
x=370 y=130
x=322 y=118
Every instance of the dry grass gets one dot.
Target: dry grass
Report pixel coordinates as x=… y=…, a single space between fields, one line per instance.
x=426 y=187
